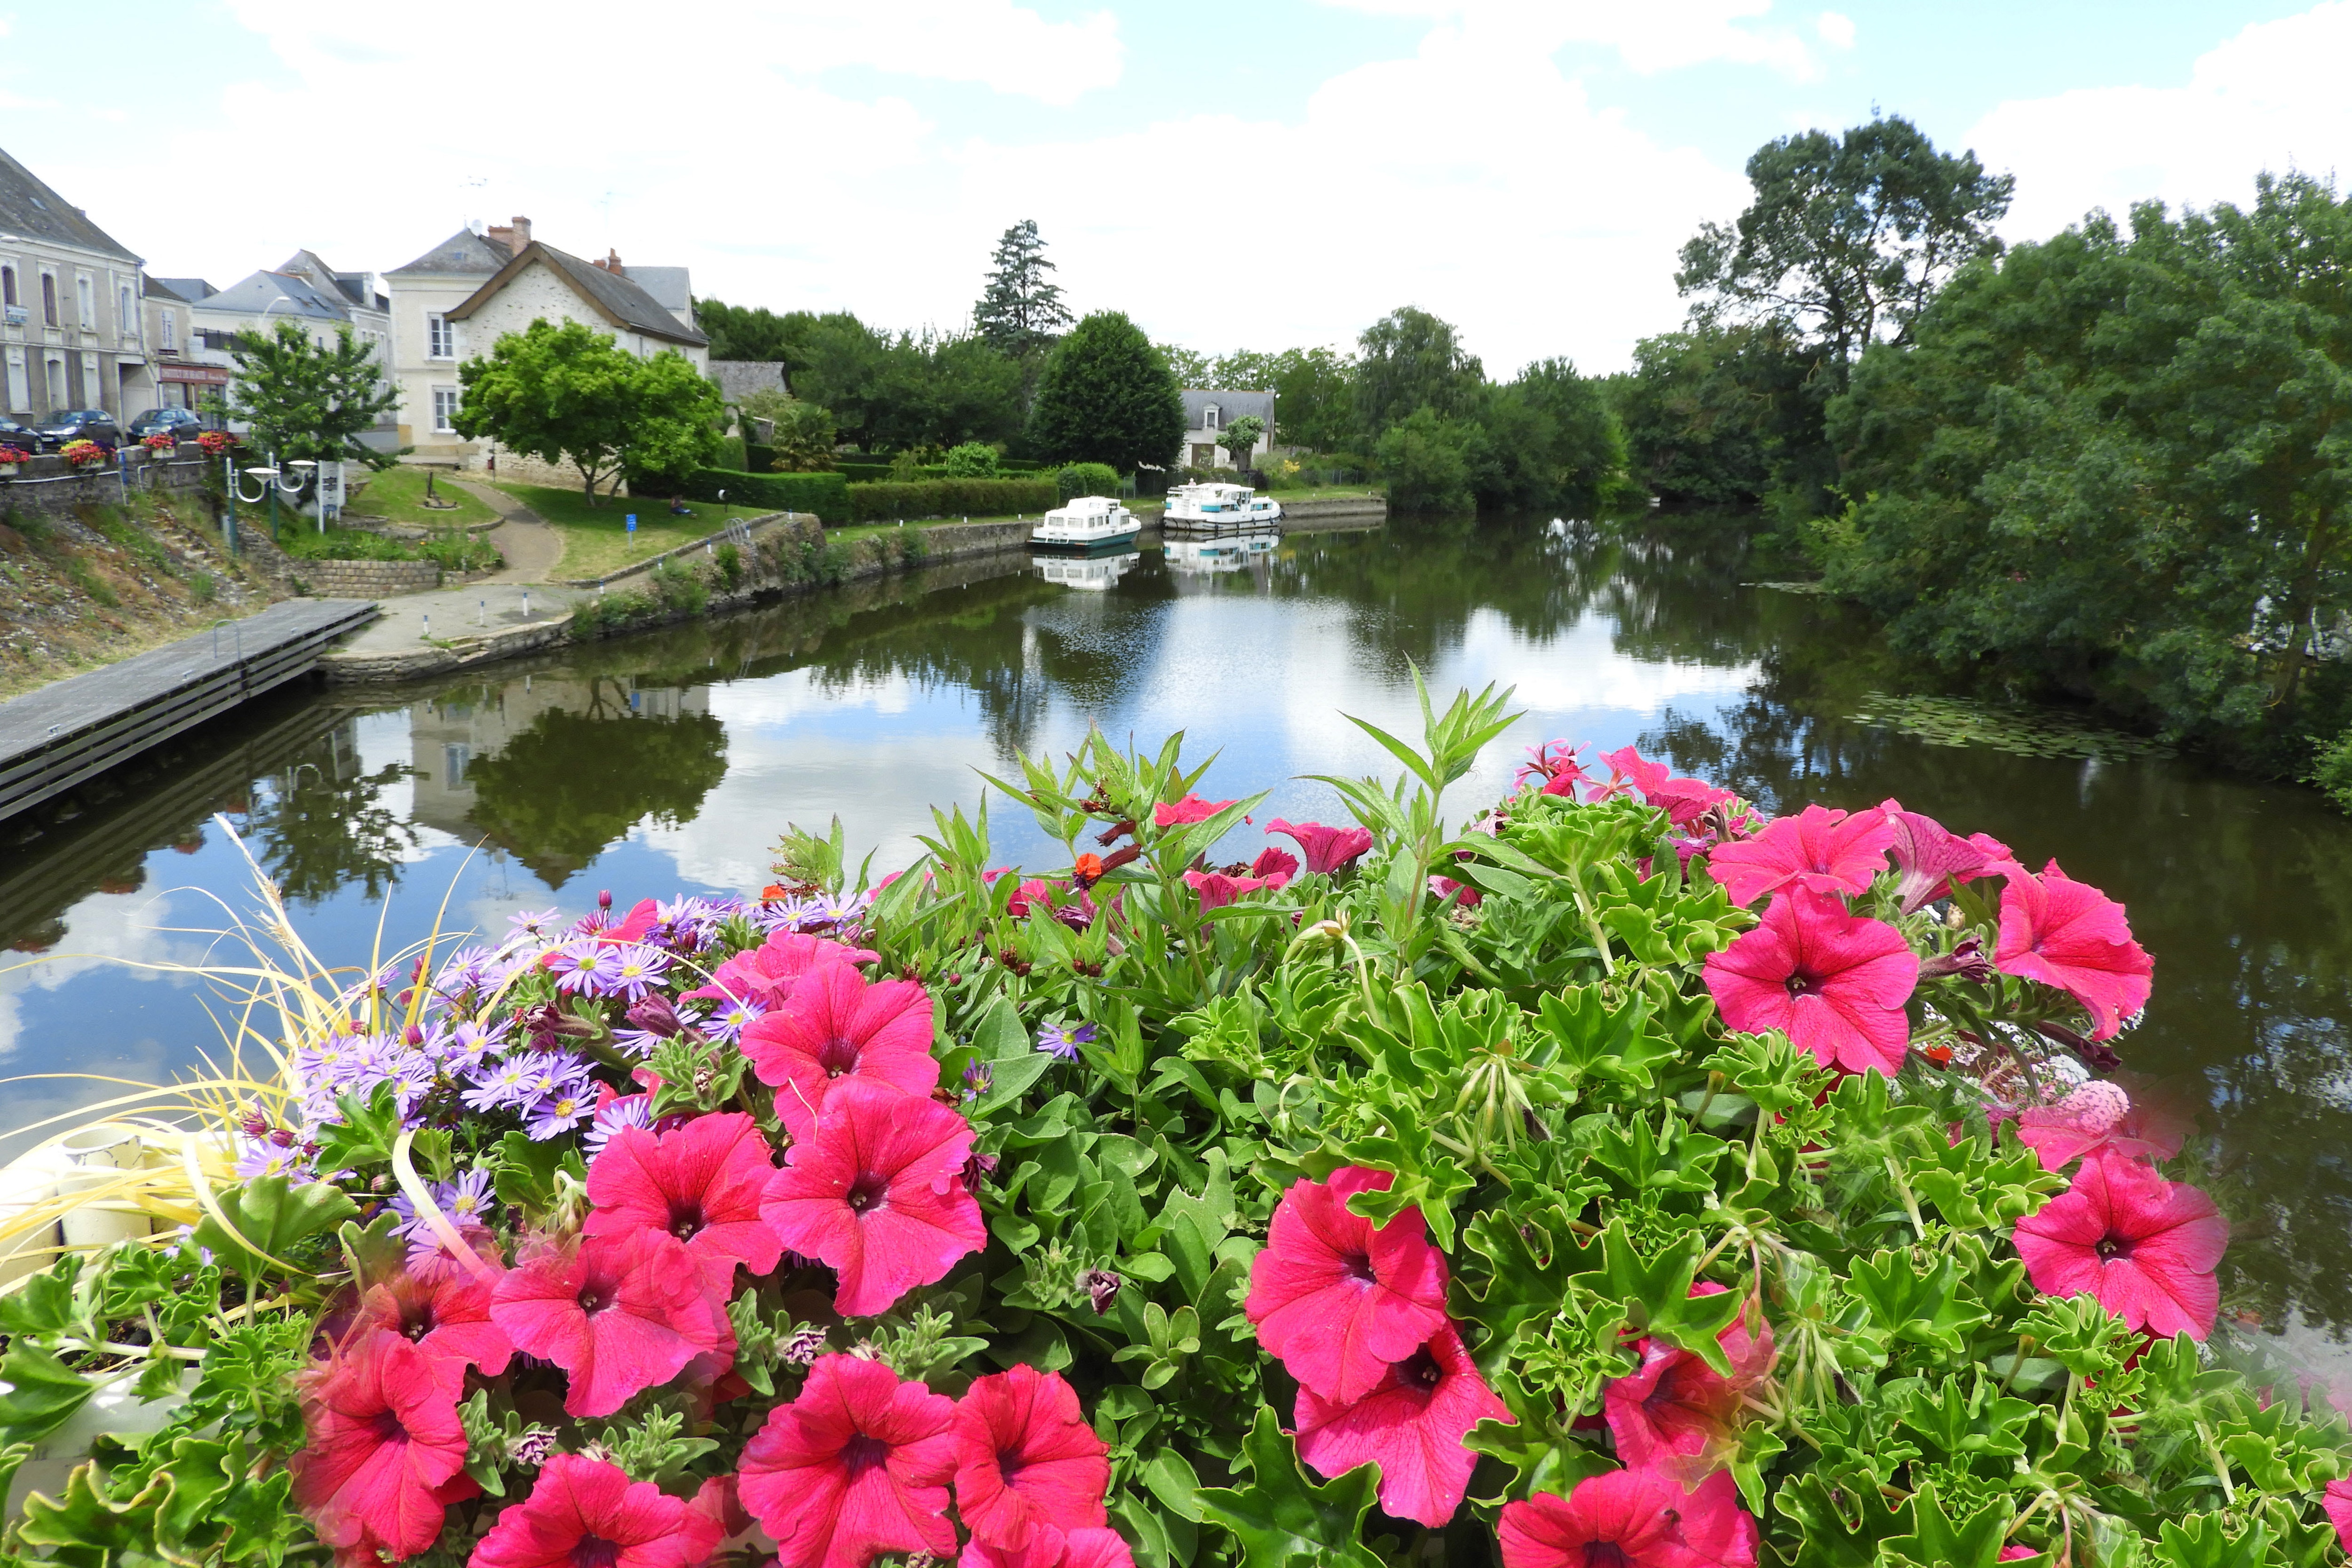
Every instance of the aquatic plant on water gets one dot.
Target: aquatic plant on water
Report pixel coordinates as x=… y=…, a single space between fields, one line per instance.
x=1620 y=1179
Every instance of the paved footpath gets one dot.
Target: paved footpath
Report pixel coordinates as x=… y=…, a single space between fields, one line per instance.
x=533 y=549
x=410 y=623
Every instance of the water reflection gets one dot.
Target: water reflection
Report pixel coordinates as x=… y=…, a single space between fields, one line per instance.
x=672 y=762
x=1088 y=575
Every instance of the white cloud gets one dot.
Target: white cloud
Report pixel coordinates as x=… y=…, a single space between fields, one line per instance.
x=1836 y=29
x=1649 y=37
x=2269 y=98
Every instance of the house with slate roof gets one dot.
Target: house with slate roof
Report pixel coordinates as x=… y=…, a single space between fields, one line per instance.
x=455 y=302
x=70 y=330
x=303 y=290
x=1207 y=413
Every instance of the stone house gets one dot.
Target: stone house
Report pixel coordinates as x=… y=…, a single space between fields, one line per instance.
x=183 y=380
x=1207 y=413
x=72 y=334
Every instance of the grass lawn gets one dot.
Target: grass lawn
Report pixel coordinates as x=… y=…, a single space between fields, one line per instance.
x=395 y=492
x=596 y=541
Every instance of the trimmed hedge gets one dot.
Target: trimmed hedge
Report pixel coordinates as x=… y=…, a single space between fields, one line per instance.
x=827 y=495
x=867 y=470
x=950 y=498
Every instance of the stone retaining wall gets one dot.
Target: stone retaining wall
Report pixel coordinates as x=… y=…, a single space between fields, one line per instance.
x=53 y=487
x=365 y=579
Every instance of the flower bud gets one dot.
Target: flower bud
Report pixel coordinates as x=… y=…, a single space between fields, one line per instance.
x=1102 y=1288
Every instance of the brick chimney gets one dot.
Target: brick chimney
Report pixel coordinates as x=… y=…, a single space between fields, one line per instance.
x=612 y=262
x=514 y=235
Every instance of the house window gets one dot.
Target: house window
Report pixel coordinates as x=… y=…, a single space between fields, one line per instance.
x=88 y=303
x=8 y=285
x=456 y=758
x=441 y=338
x=49 y=299
x=445 y=408
x=1209 y=417
x=20 y=393
x=125 y=320
x=170 y=333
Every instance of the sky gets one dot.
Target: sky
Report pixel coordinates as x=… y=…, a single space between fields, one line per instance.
x=1259 y=176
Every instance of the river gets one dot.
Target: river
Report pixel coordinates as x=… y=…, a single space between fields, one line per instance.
x=672 y=760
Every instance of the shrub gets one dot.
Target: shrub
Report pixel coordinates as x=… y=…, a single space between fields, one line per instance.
x=2332 y=771
x=1086 y=479
x=826 y=495
x=949 y=498
x=730 y=566
x=734 y=454
x=972 y=460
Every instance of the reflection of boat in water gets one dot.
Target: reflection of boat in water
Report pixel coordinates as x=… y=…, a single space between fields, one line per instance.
x=1093 y=574
x=1089 y=525
x=1226 y=555
x=1216 y=508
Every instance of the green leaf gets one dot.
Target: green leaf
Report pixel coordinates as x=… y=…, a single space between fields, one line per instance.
x=2205 y=1541
x=366 y=1135
x=1936 y=1541
x=1282 y=1518
x=1926 y=1309
x=1656 y=1291
x=43 y=1393
x=526 y=1172
x=1842 y=1525
x=1531 y=1272
x=268 y=1218
x=376 y=1253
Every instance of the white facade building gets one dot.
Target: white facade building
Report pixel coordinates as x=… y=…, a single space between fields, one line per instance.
x=1208 y=414
x=72 y=334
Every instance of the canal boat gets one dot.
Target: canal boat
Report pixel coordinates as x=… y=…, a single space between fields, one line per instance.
x=1206 y=507
x=1089 y=525
x=1087 y=574
x=1227 y=553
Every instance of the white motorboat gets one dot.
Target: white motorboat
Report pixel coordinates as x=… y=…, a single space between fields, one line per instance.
x=1206 y=507
x=1089 y=525
x=1091 y=573
x=1229 y=554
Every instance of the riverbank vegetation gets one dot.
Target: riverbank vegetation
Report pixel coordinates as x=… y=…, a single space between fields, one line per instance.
x=1729 y=1192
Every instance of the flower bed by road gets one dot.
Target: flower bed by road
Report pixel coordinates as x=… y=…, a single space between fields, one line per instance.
x=1617 y=1179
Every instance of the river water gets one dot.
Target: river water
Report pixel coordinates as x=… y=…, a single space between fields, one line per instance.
x=672 y=760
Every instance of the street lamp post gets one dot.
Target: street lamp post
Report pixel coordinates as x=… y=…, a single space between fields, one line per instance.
x=276 y=480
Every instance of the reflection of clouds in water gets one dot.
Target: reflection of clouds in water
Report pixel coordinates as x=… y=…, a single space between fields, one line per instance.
x=113 y=932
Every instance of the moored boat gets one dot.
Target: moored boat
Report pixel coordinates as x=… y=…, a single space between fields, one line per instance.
x=1225 y=553
x=1094 y=574
x=1206 y=507
x=1088 y=525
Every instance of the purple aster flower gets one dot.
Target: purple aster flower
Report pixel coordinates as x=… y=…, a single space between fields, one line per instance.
x=534 y=924
x=586 y=967
x=499 y=1084
x=559 y=1112
x=470 y=1042
x=979 y=1077
x=467 y=1199
x=628 y=1110
x=412 y=1082
x=731 y=1020
x=1063 y=1044
x=637 y=968
x=262 y=1157
x=555 y=1072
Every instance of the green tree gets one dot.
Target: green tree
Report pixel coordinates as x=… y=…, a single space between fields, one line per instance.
x=1190 y=366
x=971 y=460
x=1409 y=360
x=304 y=399
x=1314 y=393
x=1239 y=437
x=804 y=437
x=1713 y=412
x=2120 y=464
x=571 y=394
x=1428 y=460
x=1020 y=309
x=1552 y=441
x=1107 y=396
x=753 y=331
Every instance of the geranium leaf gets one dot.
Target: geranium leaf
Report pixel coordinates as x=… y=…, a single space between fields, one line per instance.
x=1926 y=1308
x=43 y=1393
x=1281 y=1517
x=2205 y=1541
x=1938 y=1541
x=268 y=1218
x=1842 y=1525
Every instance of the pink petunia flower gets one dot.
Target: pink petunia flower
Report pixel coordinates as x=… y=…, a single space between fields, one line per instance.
x=1630 y=1519
x=2102 y=1116
x=700 y=1183
x=1834 y=982
x=631 y=928
x=1825 y=850
x=582 y=1511
x=1086 y=1547
x=618 y=1313
x=447 y=1317
x=1337 y=1300
x=2337 y=1501
x=1931 y=856
x=857 y=1465
x=2145 y=1246
x=2071 y=935
x=1190 y=809
x=382 y=1455
x=1275 y=867
x=1446 y=890
x=1328 y=851
x=1025 y=1459
x=768 y=973
x=1217 y=890
x=1683 y=801
x=1557 y=764
x=837 y=1027
x=1675 y=1412
x=1413 y=1422
x=876 y=1191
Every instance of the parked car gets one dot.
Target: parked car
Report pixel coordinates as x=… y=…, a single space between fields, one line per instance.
x=18 y=435
x=70 y=425
x=180 y=424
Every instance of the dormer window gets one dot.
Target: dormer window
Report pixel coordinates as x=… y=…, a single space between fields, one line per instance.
x=1209 y=417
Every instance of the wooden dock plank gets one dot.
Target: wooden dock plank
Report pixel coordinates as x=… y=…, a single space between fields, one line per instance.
x=74 y=729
